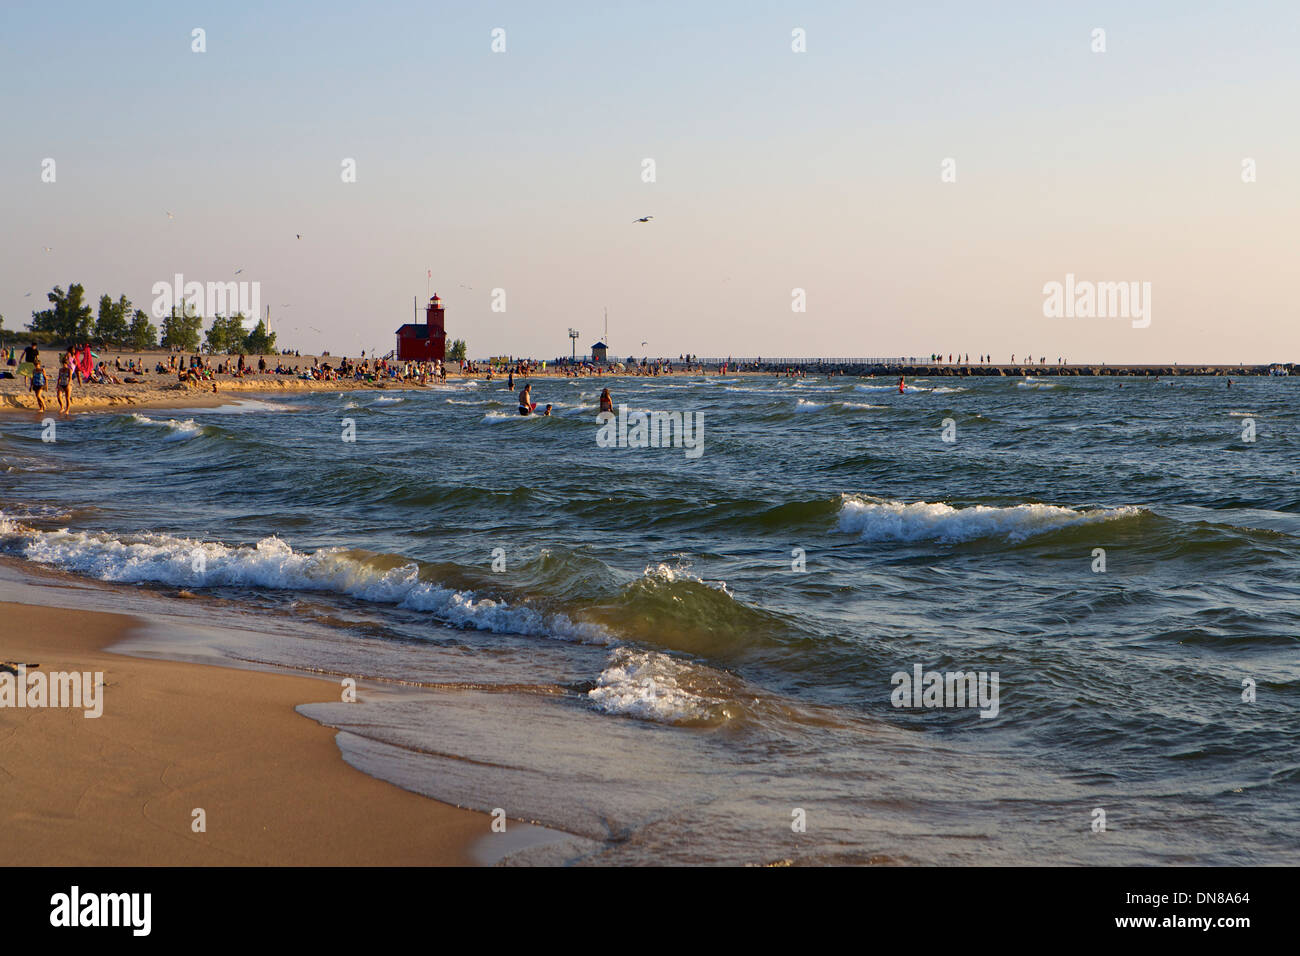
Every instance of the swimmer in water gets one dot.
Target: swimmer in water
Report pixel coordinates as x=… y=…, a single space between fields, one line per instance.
x=547 y=413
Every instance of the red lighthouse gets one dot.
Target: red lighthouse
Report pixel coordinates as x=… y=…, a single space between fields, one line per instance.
x=424 y=343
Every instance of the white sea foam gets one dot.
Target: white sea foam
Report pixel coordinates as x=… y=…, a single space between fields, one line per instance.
x=188 y=428
x=388 y=399
x=668 y=574
x=246 y=406
x=883 y=520
x=805 y=406
x=495 y=418
x=650 y=686
x=272 y=564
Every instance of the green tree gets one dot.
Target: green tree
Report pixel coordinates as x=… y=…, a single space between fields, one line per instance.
x=142 y=334
x=69 y=319
x=226 y=334
x=112 y=325
x=258 y=341
x=457 y=351
x=181 y=330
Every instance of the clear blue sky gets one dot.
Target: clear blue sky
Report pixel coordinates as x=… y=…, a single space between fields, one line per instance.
x=775 y=170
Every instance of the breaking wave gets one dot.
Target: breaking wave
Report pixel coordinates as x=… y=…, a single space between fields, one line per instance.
x=885 y=520
x=272 y=564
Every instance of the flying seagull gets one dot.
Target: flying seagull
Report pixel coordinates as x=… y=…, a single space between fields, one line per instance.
x=645 y=343
x=643 y=219
x=238 y=271
x=48 y=248
x=298 y=234
x=27 y=295
x=169 y=215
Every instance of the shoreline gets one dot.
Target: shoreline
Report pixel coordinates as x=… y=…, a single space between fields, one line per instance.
x=120 y=789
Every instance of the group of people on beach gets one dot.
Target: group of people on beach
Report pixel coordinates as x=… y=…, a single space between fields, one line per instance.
x=77 y=363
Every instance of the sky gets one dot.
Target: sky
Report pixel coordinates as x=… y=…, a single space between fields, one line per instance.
x=774 y=171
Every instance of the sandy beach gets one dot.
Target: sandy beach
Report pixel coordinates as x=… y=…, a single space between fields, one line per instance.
x=159 y=390
x=121 y=789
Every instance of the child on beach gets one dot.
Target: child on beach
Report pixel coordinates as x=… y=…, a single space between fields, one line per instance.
x=38 y=385
x=63 y=388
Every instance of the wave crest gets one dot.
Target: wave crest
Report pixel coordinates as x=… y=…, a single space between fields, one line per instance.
x=885 y=520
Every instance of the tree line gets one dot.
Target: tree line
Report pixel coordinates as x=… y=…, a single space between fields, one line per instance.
x=70 y=319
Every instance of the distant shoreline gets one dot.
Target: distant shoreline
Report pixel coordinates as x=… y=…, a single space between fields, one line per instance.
x=164 y=391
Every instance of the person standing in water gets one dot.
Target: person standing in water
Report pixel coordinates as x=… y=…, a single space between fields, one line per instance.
x=63 y=387
x=526 y=400
x=606 y=402
x=901 y=386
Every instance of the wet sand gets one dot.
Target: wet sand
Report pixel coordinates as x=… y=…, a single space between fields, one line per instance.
x=121 y=789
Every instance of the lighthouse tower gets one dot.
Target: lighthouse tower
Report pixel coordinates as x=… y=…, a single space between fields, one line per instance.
x=435 y=319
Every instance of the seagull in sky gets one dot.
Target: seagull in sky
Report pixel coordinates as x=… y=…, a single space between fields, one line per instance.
x=643 y=219
x=238 y=271
x=169 y=215
x=48 y=248
x=298 y=234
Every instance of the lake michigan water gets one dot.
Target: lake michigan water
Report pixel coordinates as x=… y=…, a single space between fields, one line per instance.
x=693 y=659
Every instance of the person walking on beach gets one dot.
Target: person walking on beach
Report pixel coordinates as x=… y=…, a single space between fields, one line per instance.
x=30 y=354
x=63 y=387
x=38 y=384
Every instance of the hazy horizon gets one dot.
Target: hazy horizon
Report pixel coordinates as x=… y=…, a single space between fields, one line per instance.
x=775 y=170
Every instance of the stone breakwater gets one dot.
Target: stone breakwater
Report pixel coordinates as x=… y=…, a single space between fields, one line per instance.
x=926 y=370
